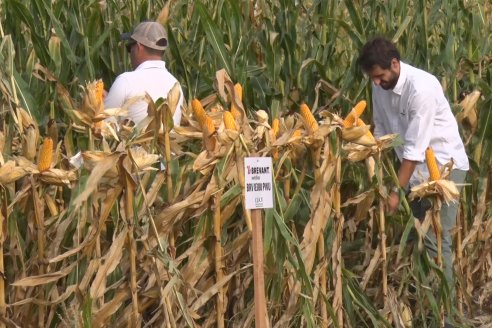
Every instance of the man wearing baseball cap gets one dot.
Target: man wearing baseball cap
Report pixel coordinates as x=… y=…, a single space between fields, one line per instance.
x=146 y=45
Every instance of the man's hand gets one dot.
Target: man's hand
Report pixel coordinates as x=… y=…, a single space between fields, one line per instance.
x=392 y=202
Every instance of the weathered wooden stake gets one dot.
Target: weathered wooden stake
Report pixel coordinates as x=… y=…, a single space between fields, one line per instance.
x=258 y=272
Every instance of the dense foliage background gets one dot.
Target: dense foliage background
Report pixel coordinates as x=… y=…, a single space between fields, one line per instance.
x=283 y=53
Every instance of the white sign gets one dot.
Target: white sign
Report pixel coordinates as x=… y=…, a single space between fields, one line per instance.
x=258 y=182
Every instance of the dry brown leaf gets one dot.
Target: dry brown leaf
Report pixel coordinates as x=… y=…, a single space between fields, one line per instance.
x=173 y=97
x=209 y=293
x=104 y=165
x=371 y=267
x=89 y=239
x=62 y=298
x=170 y=213
x=110 y=261
x=44 y=278
x=100 y=317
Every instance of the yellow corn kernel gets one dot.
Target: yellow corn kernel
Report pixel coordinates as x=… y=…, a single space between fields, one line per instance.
x=199 y=112
x=311 y=124
x=275 y=127
x=430 y=158
x=45 y=155
x=229 y=121
x=355 y=112
x=238 y=90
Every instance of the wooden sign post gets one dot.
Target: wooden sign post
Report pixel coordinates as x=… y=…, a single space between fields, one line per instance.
x=259 y=195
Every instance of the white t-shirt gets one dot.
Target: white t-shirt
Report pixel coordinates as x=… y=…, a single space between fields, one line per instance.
x=150 y=77
x=419 y=112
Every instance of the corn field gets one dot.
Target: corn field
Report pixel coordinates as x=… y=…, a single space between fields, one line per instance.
x=145 y=226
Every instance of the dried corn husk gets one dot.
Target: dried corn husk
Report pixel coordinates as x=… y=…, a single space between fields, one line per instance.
x=447 y=189
x=30 y=140
x=142 y=159
x=10 y=172
x=469 y=105
x=58 y=177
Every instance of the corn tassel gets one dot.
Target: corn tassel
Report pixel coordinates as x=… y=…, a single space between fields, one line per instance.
x=355 y=113
x=238 y=90
x=229 y=121
x=430 y=158
x=311 y=124
x=199 y=112
x=45 y=155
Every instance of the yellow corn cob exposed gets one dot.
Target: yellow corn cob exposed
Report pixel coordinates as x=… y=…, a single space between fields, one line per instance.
x=199 y=112
x=311 y=124
x=99 y=91
x=355 y=112
x=434 y=173
x=99 y=99
x=45 y=155
x=238 y=89
x=275 y=127
x=229 y=121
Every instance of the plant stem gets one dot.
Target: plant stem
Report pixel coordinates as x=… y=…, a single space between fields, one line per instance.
x=218 y=257
x=382 y=236
x=337 y=244
x=41 y=247
x=129 y=195
x=3 y=215
x=322 y=281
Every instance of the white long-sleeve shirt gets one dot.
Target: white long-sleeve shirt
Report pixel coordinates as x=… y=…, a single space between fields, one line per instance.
x=418 y=111
x=150 y=77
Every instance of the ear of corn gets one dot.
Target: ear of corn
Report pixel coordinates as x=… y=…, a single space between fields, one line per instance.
x=99 y=91
x=311 y=124
x=238 y=90
x=430 y=158
x=198 y=111
x=229 y=121
x=355 y=113
x=99 y=99
x=45 y=155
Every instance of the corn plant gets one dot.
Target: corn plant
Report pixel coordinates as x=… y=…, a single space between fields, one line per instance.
x=151 y=229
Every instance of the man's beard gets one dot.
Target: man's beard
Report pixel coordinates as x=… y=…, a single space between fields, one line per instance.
x=389 y=85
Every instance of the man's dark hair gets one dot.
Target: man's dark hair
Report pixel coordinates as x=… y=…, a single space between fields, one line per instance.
x=378 y=51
